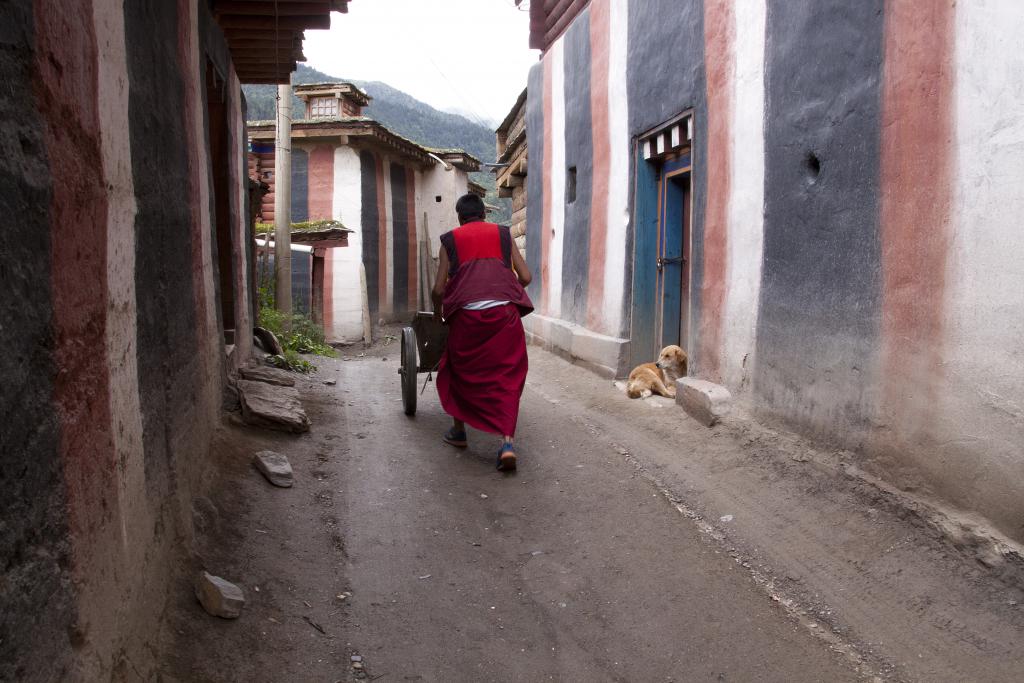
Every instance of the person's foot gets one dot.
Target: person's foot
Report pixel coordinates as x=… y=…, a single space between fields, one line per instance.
x=506 y=458
x=456 y=438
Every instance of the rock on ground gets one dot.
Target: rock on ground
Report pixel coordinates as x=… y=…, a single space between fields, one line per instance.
x=273 y=407
x=259 y=373
x=705 y=401
x=219 y=597
x=275 y=467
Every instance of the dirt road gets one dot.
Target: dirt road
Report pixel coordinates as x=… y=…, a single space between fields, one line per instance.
x=631 y=545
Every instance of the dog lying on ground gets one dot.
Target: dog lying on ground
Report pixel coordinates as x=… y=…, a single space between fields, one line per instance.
x=660 y=377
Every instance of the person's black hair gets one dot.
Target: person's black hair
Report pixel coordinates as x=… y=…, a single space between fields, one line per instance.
x=470 y=206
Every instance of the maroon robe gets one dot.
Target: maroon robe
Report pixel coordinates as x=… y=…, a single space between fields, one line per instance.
x=483 y=370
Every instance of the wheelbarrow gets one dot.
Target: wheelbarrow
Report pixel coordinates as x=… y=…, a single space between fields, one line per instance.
x=424 y=339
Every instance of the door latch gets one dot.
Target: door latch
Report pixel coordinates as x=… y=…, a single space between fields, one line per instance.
x=662 y=262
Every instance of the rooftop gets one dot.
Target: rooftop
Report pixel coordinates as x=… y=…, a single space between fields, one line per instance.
x=265 y=38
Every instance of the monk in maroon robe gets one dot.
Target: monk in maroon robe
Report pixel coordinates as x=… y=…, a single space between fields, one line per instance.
x=479 y=294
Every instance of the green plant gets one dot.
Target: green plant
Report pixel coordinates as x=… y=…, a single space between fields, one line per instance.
x=297 y=333
x=291 y=360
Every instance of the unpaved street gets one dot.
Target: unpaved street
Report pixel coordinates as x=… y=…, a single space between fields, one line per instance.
x=631 y=545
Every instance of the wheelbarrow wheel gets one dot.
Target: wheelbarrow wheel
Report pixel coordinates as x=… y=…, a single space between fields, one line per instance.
x=408 y=371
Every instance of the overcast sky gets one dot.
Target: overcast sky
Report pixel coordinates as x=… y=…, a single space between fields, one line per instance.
x=470 y=55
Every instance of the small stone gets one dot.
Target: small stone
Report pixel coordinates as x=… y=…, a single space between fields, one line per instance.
x=275 y=467
x=483 y=495
x=357 y=665
x=704 y=401
x=801 y=457
x=272 y=407
x=219 y=597
x=331 y=382
x=357 y=658
x=725 y=518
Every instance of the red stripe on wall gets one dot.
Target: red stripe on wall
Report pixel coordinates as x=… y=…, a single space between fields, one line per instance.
x=188 y=58
x=916 y=176
x=600 y=27
x=321 y=183
x=545 y=228
x=414 y=245
x=383 y=297
x=66 y=92
x=719 y=36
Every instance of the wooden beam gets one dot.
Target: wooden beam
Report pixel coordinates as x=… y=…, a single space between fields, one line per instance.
x=296 y=23
x=284 y=9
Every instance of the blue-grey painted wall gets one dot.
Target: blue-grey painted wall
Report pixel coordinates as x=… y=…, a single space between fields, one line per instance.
x=818 y=325
x=579 y=154
x=535 y=177
x=369 y=225
x=300 y=185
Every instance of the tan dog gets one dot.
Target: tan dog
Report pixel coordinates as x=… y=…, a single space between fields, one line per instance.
x=660 y=377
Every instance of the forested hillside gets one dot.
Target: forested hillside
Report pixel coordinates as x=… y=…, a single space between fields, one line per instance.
x=401 y=113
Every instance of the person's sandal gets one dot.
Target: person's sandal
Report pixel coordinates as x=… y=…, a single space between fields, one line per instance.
x=457 y=439
x=506 y=458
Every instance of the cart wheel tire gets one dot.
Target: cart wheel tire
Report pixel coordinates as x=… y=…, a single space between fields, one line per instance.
x=409 y=371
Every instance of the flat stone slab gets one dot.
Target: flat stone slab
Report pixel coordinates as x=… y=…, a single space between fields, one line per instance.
x=704 y=401
x=219 y=597
x=259 y=373
x=275 y=467
x=273 y=407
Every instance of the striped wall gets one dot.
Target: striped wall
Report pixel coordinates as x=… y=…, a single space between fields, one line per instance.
x=856 y=175
x=378 y=198
x=114 y=355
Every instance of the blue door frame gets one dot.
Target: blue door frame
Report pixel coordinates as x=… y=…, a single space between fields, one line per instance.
x=661 y=269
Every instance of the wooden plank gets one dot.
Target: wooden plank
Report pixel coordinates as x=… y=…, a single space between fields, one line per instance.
x=562 y=23
x=299 y=23
x=555 y=10
x=268 y=8
x=519 y=199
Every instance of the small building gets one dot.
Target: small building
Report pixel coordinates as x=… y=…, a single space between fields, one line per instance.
x=819 y=201
x=512 y=166
x=395 y=196
x=127 y=264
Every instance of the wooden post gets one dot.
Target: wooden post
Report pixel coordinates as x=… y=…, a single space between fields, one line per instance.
x=283 y=202
x=367 y=326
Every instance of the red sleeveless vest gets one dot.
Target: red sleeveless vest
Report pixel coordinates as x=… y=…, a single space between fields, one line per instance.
x=480 y=268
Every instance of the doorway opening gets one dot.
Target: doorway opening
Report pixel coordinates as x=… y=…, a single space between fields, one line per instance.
x=661 y=256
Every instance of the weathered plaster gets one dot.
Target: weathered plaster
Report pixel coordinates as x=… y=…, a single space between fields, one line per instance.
x=817 y=331
x=346 y=302
x=555 y=224
x=536 y=178
x=616 y=262
x=33 y=536
x=746 y=197
x=578 y=151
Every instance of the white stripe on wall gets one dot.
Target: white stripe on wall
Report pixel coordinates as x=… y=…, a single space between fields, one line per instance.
x=239 y=189
x=985 y=282
x=618 y=172
x=346 y=295
x=122 y=311
x=746 y=203
x=557 y=181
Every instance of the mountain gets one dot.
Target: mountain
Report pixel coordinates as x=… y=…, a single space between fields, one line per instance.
x=403 y=114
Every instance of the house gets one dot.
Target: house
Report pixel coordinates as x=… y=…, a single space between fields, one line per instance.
x=394 y=194
x=818 y=200
x=127 y=309
x=512 y=167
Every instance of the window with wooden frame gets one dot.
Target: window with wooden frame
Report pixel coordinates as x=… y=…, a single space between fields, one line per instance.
x=321 y=107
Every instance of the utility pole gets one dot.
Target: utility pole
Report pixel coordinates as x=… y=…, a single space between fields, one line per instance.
x=283 y=201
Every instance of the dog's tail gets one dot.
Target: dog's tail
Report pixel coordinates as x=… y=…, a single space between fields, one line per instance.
x=634 y=390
